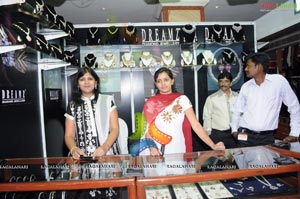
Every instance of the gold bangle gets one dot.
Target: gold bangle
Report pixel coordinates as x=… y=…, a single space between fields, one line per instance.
x=71 y=151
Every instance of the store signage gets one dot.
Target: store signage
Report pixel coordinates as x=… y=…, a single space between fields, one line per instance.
x=13 y=96
x=158 y=36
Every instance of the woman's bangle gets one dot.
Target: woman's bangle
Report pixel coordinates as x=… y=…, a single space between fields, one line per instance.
x=71 y=151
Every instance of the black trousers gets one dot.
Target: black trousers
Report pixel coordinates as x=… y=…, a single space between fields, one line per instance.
x=257 y=139
x=223 y=136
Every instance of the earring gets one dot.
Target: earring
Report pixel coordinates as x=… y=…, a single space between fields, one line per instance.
x=96 y=86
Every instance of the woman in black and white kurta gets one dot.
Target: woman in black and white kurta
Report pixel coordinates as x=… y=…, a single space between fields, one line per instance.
x=91 y=126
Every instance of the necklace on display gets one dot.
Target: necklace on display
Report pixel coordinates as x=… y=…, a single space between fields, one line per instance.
x=167 y=58
x=127 y=59
x=70 y=28
x=53 y=13
x=189 y=31
x=265 y=182
x=57 y=48
x=93 y=33
x=187 y=57
x=39 y=6
x=28 y=37
x=217 y=32
x=239 y=190
x=208 y=57
x=90 y=59
x=146 y=58
x=228 y=54
x=68 y=55
x=237 y=27
x=130 y=33
x=40 y=41
x=112 y=32
x=109 y=59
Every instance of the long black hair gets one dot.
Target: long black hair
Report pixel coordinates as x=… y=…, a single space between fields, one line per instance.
x=169 y=73
x=76 y=94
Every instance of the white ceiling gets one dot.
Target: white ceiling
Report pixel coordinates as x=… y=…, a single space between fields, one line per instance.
x=134 y=11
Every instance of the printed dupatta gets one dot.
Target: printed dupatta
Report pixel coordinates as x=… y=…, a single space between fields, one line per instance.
x=158 y=103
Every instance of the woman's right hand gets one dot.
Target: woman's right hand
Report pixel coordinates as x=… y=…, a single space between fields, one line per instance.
x=76 y=153
x=219 y=146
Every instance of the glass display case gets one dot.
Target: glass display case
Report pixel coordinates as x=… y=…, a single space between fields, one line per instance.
x=236 y=173
x=233 y=173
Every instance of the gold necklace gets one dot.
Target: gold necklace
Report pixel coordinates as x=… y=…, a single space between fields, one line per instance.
x=130 y=33
x=38 y=40
x=187 y=57
x=127 y=59
x=108 y=59
x=24 y=31
x=167 y=57
x=112 y=32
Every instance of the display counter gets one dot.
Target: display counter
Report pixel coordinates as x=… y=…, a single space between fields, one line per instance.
x=241 y=173
x=61 y=174
x=232 y=173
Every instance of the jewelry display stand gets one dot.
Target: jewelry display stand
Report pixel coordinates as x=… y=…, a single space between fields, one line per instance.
x=130 y=35
x=93 y=36
x=187 y=34
x=90 y=61
x=238 y=32
x=228 y=57
x=127 y=60
x=147 y=60
x=217 y=33
x=187 y=58
x=167 y=59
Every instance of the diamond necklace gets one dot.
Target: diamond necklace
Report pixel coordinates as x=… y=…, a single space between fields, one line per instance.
x=93 y=33
x=237 y=28
x=266 y=183
x=218 y=32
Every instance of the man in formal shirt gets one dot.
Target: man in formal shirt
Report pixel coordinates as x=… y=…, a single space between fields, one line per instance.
x=257 y=108
x=217 y=111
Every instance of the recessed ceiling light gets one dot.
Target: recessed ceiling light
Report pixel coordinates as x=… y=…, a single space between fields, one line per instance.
x=103 y=8
x=217 y=7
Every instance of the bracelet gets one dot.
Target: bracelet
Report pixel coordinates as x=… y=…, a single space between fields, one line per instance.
x=71 y=151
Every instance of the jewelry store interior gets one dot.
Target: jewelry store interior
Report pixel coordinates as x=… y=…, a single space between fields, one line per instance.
x=44 y=42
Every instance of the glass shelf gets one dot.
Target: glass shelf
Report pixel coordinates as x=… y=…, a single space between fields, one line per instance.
x=5 y=49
